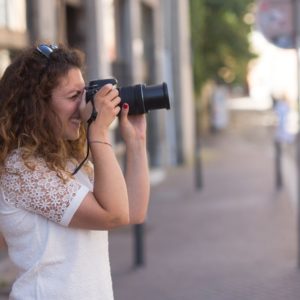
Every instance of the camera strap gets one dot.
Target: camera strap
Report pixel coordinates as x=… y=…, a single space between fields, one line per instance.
x=94 y=113
x=92 y=118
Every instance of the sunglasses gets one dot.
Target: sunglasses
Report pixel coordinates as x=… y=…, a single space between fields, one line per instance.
x=46 y=50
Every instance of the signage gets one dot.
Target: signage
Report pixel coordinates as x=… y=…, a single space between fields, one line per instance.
x=275 y=20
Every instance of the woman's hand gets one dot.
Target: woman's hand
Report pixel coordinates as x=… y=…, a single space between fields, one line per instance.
x=106 y=104
x=133 y=127
x=133 y=130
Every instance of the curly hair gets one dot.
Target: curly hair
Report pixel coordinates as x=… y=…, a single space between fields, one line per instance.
x=25 y=111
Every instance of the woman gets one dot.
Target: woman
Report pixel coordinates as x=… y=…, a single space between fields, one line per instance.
x=55 y=223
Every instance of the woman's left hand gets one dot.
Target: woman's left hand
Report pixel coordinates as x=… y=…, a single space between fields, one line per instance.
x=133 y=127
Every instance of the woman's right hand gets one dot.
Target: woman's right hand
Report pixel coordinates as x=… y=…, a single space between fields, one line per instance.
x=107 y=102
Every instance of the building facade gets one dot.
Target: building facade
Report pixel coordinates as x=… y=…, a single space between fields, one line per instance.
x=136 y=41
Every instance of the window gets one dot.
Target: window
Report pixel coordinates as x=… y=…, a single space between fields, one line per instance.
x=13 y=15
x=2 y=13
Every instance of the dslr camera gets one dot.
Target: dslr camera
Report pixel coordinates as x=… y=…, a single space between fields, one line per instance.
x=141 y=98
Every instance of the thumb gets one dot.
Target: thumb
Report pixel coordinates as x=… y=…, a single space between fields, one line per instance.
x=125 y=110
x=85 y=109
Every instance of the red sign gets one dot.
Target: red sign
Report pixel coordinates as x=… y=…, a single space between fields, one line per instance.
x=275 y=19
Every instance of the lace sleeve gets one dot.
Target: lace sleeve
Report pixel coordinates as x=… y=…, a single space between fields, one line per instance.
x=41 y=191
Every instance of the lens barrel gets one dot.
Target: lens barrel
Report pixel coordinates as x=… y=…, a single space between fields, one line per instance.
x=140 y=98
x=156 y=96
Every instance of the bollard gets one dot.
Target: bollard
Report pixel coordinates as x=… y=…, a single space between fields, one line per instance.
x=278 y=165
x=198 y=162
x=139 y=255
x=198 y=167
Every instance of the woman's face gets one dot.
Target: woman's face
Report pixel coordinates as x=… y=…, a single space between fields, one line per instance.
x=66 y=98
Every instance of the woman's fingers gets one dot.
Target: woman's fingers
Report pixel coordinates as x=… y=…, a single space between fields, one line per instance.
x=85 y=109
x=105 y=90
x=116 y=101
x=108 y=93
x=107 y=104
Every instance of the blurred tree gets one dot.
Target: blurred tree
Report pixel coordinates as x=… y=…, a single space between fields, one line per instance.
x=220 y=41
x=220 y=53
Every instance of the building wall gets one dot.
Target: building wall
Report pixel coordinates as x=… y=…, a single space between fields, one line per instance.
x=179 y=47
x=177 y=68
x=13 y=35
x=148 y=43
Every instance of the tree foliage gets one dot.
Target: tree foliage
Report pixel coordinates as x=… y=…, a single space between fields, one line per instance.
x=220 y=41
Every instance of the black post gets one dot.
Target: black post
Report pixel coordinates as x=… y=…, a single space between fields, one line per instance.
x=278 y=165
x=198 y=162
x=198 y=166
x=139 y=255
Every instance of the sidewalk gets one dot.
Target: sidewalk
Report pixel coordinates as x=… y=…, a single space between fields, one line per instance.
x=233 y=240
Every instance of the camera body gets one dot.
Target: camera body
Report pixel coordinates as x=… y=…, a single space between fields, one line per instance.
x=141 y=98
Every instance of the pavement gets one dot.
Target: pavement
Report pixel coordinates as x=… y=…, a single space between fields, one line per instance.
x=233 y=239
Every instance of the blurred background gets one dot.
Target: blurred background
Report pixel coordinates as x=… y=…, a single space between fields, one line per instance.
x=223 y=216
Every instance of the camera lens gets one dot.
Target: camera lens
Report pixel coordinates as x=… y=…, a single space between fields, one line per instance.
x=156 y=97
x=133 y=95
x=142 y=98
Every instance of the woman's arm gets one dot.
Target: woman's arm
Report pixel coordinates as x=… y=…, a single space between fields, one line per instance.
x=137 y=180
x=133 y=130
x=107 y=207
x=116 y=201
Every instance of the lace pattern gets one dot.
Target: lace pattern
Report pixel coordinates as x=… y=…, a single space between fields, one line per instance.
x=40 y=190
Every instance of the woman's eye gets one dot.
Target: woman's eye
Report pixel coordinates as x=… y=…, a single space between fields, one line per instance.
x=75 y=97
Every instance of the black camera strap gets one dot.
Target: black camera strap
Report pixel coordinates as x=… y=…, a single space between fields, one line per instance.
x=94 y=113
x=92 y=118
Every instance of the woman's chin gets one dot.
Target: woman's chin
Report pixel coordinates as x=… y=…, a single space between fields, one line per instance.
x=72 y=136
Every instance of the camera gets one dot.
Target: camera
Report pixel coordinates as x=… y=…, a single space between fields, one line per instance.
x=141 y=98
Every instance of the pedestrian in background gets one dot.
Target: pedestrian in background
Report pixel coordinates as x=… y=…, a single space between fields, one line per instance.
x=55 y=222
x=283 y=112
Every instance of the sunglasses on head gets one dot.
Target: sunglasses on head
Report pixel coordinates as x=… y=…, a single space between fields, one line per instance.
x=46 y=50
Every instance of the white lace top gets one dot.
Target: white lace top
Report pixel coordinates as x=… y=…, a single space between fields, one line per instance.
x=54 y=260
